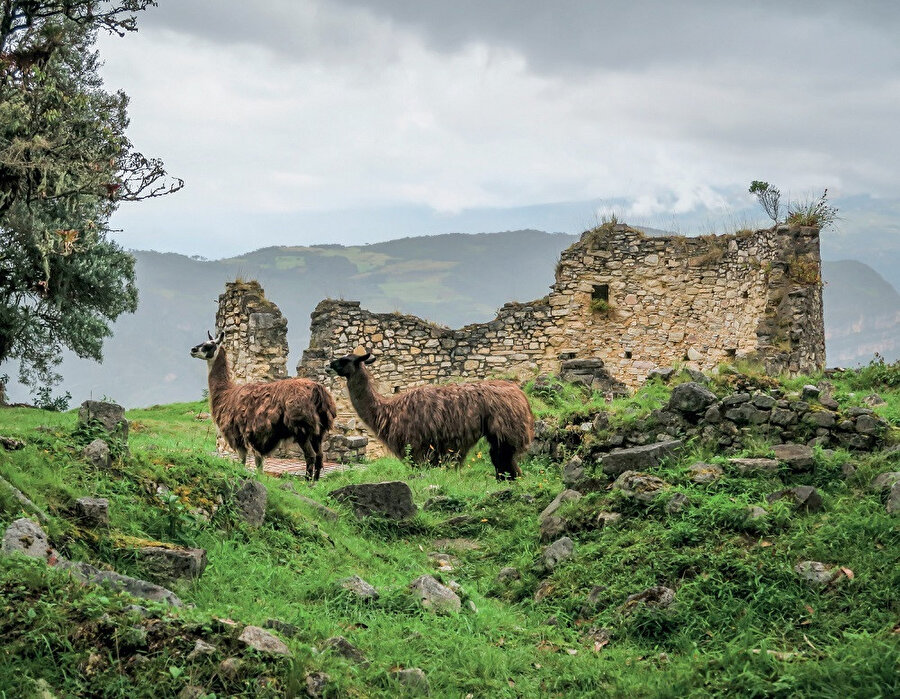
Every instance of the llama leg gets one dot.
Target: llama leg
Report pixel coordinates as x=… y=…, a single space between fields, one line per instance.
x=309 y=454
x=258 y=458
x=242 y=455
x=502 y=457
x=316 y=443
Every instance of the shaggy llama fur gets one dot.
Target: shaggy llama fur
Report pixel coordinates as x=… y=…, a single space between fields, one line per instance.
x=257 y=416
x=440 y=422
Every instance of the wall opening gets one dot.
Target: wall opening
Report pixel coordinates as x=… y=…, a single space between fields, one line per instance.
x=600 y=292
x=731 y=352
x=627 y=354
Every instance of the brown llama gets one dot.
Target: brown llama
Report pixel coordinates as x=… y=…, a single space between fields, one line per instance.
x=436 y=422
x=257 y=416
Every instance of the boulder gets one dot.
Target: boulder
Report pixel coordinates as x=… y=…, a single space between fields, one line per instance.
x=661 y=373
x=507 y=574
x=782 y=417
x=263 y=641
x=820 y=418
x=434 y=596
x=552 y=527
x=893 y=503
x=26 y=537
x=677 y=503
x=691 y=398
x=250 y=502
x=413 y=681
x=391 y=499
x=109 y=415
x=86 y=573
x=11 y=444
x=97 y=453
x=564 y=496
x=92 y=512
x=747 y=414
x=572 y=472
x=557 y=552
x=885 y=481
x=817 y=574
x=810 y=391
x=873 y=399
x=755 y=512
x=657 y=597
x=735 y=399
x=317 y=684
x=869 y=425
x=798 y=457
x=804 y=497
x=360 y=588
x=763 y=401
x=705 y=473
x=170 y=565
x=618 y=461
x=748 y=467
x=607 y=519
x=341 y=646
x=640 y=486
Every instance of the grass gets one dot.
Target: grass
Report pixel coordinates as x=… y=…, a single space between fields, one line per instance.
x=736 y=592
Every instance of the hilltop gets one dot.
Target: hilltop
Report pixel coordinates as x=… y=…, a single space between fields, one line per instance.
x=693 y=572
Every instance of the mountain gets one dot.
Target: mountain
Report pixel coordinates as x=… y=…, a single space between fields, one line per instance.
x=862 y=314
x=452 y=279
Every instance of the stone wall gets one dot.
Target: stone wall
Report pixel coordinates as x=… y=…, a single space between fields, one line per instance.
x=255 y=336
x=255 y=333
x=256 y=343
x=626 y=301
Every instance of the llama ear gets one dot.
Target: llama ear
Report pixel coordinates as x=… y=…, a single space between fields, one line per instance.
x=209 y=336
x=220 y=338
x=370 y=359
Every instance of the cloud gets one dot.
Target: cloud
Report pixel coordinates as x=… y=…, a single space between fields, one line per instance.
x=333 y=105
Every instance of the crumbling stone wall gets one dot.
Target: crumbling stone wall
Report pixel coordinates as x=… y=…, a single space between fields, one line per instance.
x=626 y=302
x=255 y=333
x=257 y=347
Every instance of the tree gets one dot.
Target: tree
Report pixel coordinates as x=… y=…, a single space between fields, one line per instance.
x=65 y=165
x=769 y=198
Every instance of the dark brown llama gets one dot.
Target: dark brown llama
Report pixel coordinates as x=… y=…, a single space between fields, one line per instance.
x=257 y=416
x=437 y=422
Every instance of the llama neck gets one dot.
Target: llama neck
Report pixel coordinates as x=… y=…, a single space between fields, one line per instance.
x=368 y=404
x=219 y=378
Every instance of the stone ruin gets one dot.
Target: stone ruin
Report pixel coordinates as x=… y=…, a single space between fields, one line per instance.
x=257 y=347
x=622 y=304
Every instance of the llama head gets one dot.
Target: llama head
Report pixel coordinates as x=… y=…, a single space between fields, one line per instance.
x=349 y=365
x=207 y=350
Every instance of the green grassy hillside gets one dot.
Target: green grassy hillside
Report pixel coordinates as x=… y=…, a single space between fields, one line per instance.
x=742 y=621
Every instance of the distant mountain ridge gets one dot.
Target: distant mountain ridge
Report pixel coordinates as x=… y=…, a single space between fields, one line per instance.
x=452 y=279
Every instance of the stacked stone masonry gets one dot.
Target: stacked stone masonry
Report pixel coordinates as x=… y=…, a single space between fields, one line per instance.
x=256 y=343
x=622 y=300
x=627 y=301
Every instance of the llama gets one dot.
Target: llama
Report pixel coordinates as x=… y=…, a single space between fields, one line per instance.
x=257 y=416
x=434 y=422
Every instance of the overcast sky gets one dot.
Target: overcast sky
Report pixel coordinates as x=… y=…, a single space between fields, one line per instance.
x=346 y=121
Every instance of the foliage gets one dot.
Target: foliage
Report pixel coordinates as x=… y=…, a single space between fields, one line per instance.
x=877 y=374
x=600 y=307
x=46 y=401
x=65 y=164
x=812 y=212
x=769 y=198
x=742 y=622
